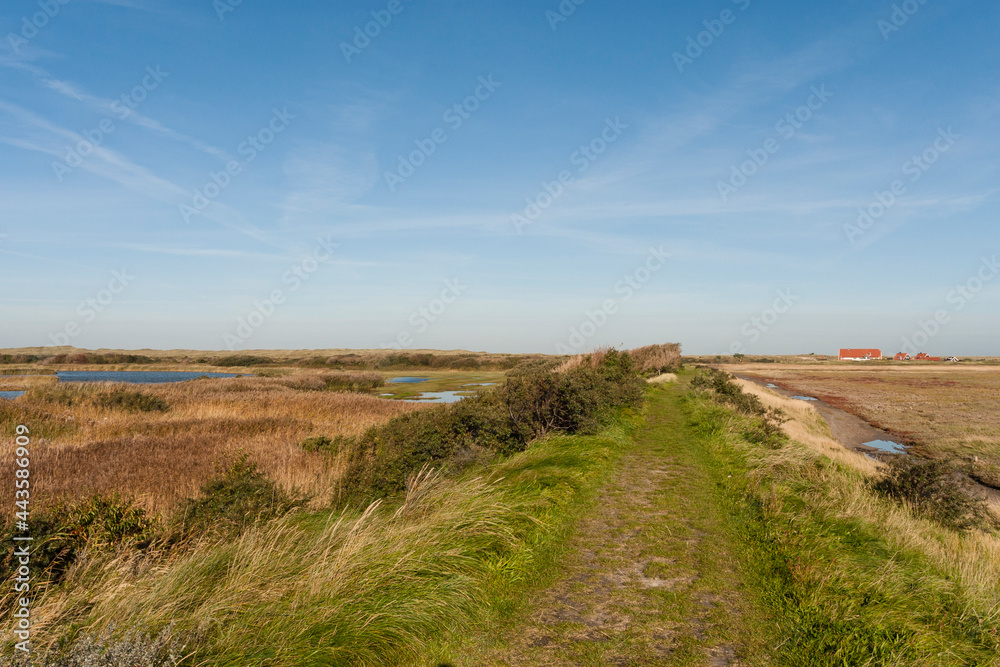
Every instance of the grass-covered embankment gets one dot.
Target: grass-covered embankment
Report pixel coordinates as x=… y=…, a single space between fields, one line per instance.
x=851 y=577
x=379 y=584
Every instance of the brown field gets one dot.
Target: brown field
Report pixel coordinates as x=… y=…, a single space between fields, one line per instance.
x=160 y=458
x=949 y=411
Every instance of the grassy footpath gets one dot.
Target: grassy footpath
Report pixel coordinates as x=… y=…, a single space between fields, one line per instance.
x=712 y=544
x=648 y=576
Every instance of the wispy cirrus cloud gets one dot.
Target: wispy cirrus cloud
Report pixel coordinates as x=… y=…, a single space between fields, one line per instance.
x=46 y=137
x=109 y=107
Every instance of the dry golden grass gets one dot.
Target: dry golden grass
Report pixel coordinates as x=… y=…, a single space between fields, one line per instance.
x=161 y=458
x=652 y=358
x=591 y=359
x=657 y=357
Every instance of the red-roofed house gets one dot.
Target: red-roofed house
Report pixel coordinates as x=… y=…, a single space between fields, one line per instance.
x=902 y=356
x=923 y=357
x=860 y=355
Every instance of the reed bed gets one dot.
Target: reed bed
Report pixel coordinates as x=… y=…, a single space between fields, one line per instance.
x=159 y=458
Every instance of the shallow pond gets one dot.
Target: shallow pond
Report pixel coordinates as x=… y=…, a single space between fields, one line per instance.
x=136 y=377
x=407 y=380
x=11 y=395
x=438 y=397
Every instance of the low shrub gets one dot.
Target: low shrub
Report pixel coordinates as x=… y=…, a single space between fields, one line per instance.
x=933 y=489
x=239 y=496
x=241 y=360
x=133 y=649
x=342 y=381
x=63 y=395
x=131 y=401
x=71 y=395
x=351 y=381
x=538 y=400
x=317 y=443
x=18 y=358
x=62 y=532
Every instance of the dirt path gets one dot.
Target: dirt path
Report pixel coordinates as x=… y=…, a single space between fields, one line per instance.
x=651 y=579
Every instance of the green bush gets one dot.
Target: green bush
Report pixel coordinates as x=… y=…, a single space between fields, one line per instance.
x=534 y=401
x=61 y=532
x=131 y=401
x=64 y=395
x=539 y=401
x=317 y=443
x=70 y=395
x=933 y=489
x=336 y=381
x=238 y=497
x=241 y=360
x=352 y=381
x=18 y=358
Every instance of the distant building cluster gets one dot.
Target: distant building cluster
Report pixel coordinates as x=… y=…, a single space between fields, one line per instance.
x=903 y=356
x=865 y=354
x=860 y=355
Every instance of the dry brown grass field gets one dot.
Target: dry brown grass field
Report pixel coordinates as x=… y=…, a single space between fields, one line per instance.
x=949 y=411
x=160 y=458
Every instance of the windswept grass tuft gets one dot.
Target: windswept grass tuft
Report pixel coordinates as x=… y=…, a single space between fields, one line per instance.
x=131 y=401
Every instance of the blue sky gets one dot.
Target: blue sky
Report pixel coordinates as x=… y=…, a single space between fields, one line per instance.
x=710 y=191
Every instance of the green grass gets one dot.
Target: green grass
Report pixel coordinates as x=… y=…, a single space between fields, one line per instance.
x=842 y=592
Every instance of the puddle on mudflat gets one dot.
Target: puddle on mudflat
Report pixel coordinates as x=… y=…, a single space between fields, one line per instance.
x=805 y=398
x=438 y=397
x=771 y=386
x=886 y=446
